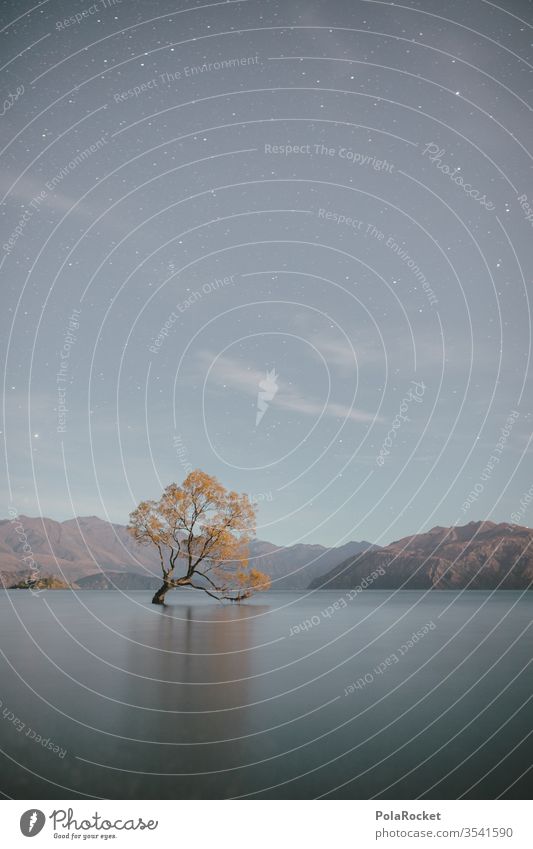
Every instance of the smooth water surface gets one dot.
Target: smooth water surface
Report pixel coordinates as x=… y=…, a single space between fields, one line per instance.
x=201 y=700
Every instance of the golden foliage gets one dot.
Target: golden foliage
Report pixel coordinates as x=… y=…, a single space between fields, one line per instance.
x=203 y=530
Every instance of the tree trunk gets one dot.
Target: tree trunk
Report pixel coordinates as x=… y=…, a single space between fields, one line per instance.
x=159 y=597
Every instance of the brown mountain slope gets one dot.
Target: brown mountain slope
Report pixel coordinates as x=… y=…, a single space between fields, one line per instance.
x=295 y=566
x=73 y=549
x=477 y=556
x=87 y=546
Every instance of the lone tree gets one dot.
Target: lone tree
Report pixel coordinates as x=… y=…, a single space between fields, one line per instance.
x=202 y=533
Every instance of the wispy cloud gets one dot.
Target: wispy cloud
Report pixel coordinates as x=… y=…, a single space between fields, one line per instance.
x=246 y=378
x=333 y=410
x=28 y=188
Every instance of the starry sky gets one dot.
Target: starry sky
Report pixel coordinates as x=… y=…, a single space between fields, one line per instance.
x=286 y=242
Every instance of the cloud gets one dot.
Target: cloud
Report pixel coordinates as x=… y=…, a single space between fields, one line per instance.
x=232 y=372
x=246 y=378
x=338 y=353
x=333 y=410
x=27 y=188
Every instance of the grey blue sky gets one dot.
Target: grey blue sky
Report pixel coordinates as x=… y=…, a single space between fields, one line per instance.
x=321 y=208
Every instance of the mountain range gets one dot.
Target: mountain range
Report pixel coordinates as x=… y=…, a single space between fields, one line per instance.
x=477 y=556
x=91 y=553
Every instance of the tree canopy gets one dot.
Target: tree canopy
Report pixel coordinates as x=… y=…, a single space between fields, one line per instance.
x=202 y=533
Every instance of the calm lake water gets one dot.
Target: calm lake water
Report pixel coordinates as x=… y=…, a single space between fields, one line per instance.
x=200 y=700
